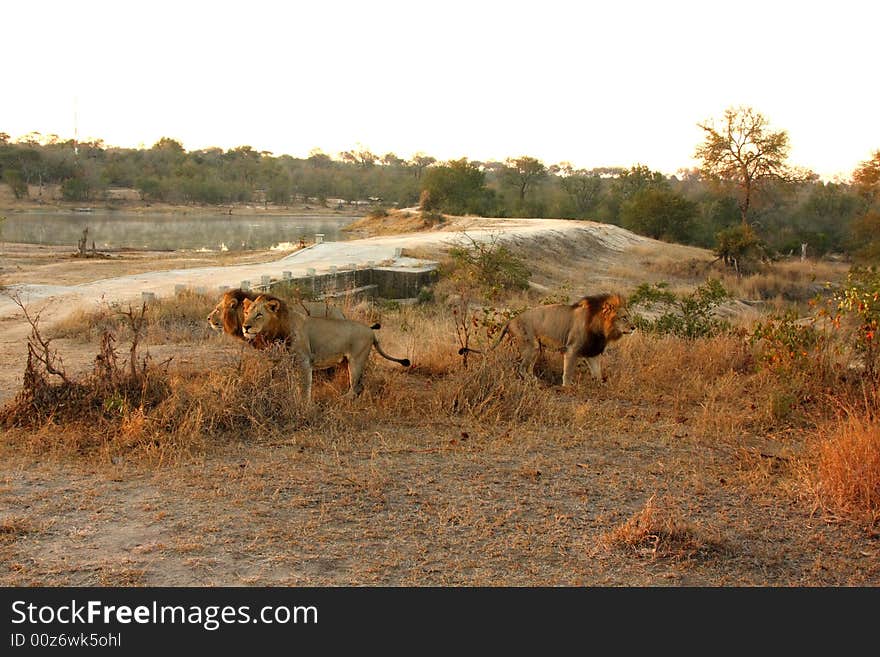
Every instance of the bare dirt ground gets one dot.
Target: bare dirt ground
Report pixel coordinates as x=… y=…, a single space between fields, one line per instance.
x=427 y=498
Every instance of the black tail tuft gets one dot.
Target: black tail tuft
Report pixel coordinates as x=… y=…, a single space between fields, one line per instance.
x=466 y=350
x=376 y=326
x=405 y=362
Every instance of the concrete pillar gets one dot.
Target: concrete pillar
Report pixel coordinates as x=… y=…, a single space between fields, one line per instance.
x=245 y=285
x=287 y=275
x=265 y=280
x=319 y=238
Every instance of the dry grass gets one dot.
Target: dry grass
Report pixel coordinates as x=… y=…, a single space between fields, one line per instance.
x=13 y=527
x=393 y=222
x=789 y=281
x=659 y=531
x=175 y=319
x=441 y=474
x=846 y=481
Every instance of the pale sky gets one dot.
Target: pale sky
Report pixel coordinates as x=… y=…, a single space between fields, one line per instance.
x=595 y=84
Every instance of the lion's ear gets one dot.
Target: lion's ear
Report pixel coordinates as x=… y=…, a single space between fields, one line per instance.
x=273 y=305
x=234 y=302
x=246 y=304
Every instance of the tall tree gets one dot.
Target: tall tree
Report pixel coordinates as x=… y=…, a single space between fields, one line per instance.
x=866 y=177
x=866 y=228
x=362 y=157
x=419 y=162
x=582 y=186
x=744 y=151
x=523 y=173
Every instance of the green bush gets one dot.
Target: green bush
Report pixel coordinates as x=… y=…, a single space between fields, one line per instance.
x=489 y=267
x=859 y=301
x=686 y=316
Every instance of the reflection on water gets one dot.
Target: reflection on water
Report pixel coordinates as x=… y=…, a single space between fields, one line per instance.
x=169 y=231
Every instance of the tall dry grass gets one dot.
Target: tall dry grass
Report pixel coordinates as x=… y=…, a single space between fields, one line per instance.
x=846 y=479
x=178 y=318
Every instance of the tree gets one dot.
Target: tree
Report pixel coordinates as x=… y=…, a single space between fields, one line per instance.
x=13 y=178
x=392 y=160
x=745 y=152
x=866 y=178
x=738 y=244
x=866 y=237
x=420 y=162
x=582 y=186
x=456 y=187
x=866 y=228
x=319 y=159
x=523 y=173
x=659 y=213
x=360 y=156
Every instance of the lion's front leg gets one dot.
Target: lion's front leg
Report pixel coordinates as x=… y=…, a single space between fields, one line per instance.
x=569 y=364
x=306 y=364
x=595 y=366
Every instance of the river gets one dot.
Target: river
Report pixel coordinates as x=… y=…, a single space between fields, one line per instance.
x=220 y=232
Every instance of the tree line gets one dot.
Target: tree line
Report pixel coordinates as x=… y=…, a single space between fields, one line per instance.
x=745 y=199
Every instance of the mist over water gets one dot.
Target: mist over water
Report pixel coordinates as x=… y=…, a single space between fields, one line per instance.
x=114 y=230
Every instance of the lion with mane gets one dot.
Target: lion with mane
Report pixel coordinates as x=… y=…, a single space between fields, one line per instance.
x=318 y=343
x=228 y=314
x=579 y=330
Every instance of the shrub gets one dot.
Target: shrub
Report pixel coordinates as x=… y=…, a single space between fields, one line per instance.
x=784 y=343
x=490 y=267
x=687 y=316
x=859 y=301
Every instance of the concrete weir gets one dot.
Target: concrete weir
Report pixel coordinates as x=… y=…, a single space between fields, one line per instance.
x=385 y=282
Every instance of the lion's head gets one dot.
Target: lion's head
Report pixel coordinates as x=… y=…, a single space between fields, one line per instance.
x=266 y=319
x=608 y=315
x=228 y=314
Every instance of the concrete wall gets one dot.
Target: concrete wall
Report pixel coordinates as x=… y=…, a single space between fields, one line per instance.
x=385 y=282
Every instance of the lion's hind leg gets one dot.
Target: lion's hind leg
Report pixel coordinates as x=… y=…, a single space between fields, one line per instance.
x=356 y=365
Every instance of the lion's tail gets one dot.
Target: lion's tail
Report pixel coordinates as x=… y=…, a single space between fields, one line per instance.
x=503 y=332
x=403 y=361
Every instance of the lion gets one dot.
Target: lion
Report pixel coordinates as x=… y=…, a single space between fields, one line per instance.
x=228 y=314
x=317 y=342
x=579 y=330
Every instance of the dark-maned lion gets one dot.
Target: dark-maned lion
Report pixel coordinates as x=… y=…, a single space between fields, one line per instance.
x=580 y=330
x=228 y=314
x=318 y=343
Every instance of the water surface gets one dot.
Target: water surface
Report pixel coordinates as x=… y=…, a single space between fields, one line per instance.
x=112 y=230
